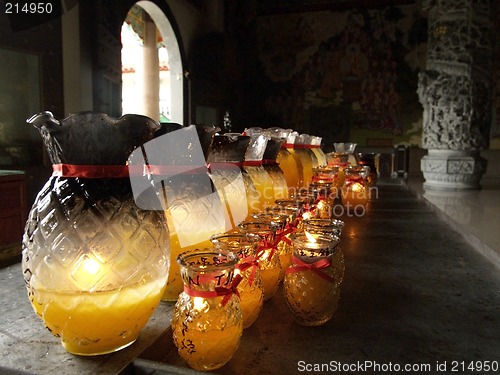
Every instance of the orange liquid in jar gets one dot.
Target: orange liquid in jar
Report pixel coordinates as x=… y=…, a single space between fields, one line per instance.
x=252 y=195
x=307 y=162
x=263 y=184
x=174 y=284
x=311 y=299
x=251 y=297
x=270 y=272
x=91 y=323
x=203 y=334
x=200 y=239
x=354 y=195
x=231 y=188
x=279 y=182
x=291 y=166
x=320 y=155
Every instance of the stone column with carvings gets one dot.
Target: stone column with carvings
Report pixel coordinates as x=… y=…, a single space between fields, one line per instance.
x=456 y=92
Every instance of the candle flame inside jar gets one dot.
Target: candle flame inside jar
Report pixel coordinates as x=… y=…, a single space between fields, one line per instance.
x=357 y=187
x=198 y=303
x=91 y=266
x=310 y=237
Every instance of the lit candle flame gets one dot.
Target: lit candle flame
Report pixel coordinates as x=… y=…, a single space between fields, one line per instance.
x=91 y=266
x=310 y=237
x=357 y=187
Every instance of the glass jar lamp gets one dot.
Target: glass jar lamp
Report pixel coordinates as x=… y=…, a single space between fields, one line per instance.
x=207 y=321
x=95 y=263
x=251 y=287
x=311 y=289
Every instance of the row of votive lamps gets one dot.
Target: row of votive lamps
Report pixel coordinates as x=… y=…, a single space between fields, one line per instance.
x=281 y=204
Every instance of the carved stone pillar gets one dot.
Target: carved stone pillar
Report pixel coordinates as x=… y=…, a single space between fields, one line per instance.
x=456 y=92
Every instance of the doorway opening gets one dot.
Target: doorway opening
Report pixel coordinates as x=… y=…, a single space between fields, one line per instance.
x=152 y=72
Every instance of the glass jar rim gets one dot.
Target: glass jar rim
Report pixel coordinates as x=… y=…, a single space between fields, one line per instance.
x=277 y=217
x=266 y=225
x=225 y=237
x=322 y=241
x=197 y=259
x=318 y=222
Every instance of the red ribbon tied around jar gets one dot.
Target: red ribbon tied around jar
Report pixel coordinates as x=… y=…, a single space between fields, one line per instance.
x=217 y=292
x=266 y=246
x=315 y=267
x=245 y=264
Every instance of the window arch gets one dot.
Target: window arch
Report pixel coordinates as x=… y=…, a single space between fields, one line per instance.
x=168 y=84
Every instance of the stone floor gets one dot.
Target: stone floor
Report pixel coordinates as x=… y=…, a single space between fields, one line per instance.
x=474 y=213
x=416 y=293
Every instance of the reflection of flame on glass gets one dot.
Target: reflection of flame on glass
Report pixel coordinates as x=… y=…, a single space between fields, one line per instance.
x=357 y=187
x=91 y=266
x=310 y=237
x=198 y=303
x=306 y=215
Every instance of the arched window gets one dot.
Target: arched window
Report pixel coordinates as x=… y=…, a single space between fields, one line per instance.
x=152 y=71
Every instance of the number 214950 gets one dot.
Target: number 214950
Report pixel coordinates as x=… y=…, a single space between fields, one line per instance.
x=479 y=366
x=28 y=8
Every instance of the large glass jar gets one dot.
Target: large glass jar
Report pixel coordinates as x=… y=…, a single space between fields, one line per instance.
x=94 y=262
x=347 y=147
x=286 y=158
x=251 y=287
x=233 y=183
x=255 y=169
x=193 y=207
x=318 y=152
x=273 y=169
x=307 y=158
x=311 y=289
x=207 y=322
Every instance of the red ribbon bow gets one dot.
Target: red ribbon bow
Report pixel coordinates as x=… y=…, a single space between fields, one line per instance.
x=267 y=245
x=245 y=264
x=219 y=291
x=315 y=267
x=282 y=235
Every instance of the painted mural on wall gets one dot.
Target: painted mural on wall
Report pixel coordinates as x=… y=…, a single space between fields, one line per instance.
x=355 y=67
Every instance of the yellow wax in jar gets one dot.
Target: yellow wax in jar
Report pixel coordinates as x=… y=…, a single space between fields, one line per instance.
x=263 y=184
x=199 y=238
x=174 y=283
x=290 y=167
x=338 y=262
x=203 y=335
x=311 y=299
x=320 y=155
x=91 y=323
x=280 y=186
x=270 y=278
x=354 y=195
x=251 y=299
x=285 y=253
x=252 y=195
x=341 y=178
x=270 y=271
x=306 y=159
x=232 y=192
